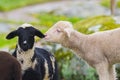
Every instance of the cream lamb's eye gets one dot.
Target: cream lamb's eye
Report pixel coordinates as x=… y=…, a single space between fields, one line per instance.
x=58 y=30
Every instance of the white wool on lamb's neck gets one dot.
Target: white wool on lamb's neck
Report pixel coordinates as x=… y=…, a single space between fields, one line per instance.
x=25 y=57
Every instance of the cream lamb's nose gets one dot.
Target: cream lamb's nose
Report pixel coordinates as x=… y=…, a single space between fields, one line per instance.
x=46 y=36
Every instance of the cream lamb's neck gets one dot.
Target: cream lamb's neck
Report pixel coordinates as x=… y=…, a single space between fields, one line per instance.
x=75 y=40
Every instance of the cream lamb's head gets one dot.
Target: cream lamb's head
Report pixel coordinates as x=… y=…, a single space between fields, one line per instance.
x=59 y=32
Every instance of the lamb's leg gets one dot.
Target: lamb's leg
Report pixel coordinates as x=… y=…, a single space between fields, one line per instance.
x=112 y=73
x=102 y=70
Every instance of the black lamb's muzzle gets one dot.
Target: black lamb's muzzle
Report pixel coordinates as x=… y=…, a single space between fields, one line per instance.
x=43 y=36
x=24 y=47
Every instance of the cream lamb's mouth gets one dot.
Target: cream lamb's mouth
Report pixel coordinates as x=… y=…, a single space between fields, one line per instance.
x=46 y=37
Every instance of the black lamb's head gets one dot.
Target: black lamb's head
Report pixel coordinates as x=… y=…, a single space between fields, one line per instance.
x=25 y=36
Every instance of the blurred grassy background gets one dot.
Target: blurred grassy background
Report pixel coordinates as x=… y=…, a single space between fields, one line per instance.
x=7 y=5
x=70 y=66
x=106 y=3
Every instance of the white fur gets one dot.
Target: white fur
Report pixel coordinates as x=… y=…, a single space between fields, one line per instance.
x=26 y=57
x=53 y=63
x=46 y=70
x=25 y=25
x=34 y=64
x=101 y=50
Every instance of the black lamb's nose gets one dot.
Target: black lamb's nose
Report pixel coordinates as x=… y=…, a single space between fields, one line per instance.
x=25 y=47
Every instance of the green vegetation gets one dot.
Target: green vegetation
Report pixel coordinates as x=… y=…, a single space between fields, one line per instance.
x=4 y=42
x=106 y=3
x=106 y=22
x=6 y=5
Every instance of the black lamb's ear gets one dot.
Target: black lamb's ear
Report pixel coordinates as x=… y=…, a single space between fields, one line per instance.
x=11 y=35
x=39 y=33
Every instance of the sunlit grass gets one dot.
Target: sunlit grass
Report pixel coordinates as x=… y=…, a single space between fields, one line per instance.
x=103 y=20
x=106 y=3
x=4 y=42
x=6 y=5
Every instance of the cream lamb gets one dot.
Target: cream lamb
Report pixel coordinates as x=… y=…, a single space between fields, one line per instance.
x=101 y=50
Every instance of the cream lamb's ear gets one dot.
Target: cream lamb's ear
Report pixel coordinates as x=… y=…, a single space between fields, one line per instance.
x=68 y=31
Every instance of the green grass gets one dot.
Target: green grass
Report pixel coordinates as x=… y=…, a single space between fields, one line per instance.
x=4 y=42
x=103 y=20
x=106 y=3
x=6 y=5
